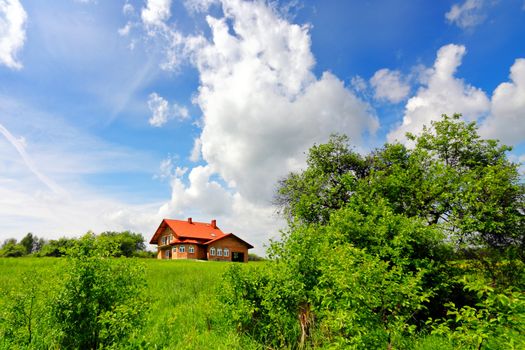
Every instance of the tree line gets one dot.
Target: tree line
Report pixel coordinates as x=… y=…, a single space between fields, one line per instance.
x=129 y=244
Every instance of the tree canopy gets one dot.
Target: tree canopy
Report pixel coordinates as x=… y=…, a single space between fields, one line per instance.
x=383 y=245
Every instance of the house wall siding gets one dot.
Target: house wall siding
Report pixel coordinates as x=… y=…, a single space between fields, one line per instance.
x=233 y=244
x=199 y=252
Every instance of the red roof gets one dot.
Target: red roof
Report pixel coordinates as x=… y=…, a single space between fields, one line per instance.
x=230 y=235
x=189 y=231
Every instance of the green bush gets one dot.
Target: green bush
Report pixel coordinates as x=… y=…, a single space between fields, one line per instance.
x=101 y=302
x=496 y=321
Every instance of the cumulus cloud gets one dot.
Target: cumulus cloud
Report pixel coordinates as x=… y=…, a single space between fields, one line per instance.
x=162 y=112
x=262 y=107
x=442 y=93
x=389 y=86
x=507 y=118
x=12 y=32
x=156 y=12
x=467 y=15
x=202 y=192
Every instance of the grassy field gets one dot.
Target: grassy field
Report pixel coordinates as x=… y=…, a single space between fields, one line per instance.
x=183 y=310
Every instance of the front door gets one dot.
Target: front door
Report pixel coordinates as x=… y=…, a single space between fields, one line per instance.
x=237 y=257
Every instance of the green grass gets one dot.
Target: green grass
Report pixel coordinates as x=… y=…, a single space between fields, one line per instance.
x=183 y=308
x=184 y=312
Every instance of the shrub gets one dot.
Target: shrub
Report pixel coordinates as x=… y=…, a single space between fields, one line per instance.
x=101 y=301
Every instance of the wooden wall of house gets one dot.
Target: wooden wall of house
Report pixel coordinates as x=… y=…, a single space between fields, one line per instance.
x=233 y=244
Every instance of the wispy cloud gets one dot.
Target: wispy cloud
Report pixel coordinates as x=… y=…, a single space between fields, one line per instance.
x=18 y=145
x=468 y=14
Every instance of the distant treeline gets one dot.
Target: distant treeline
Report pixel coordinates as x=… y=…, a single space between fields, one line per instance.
x=129 y=244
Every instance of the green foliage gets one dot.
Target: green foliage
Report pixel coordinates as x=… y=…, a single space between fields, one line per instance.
x=11 y=249
x=496 y=321
x=255 y=257
x=22 y=312
x=129 y=243
x=325 y=186
x=56 y=248
x=101 y=302
x=258 y=302
x=373 y=247
x=182 y=308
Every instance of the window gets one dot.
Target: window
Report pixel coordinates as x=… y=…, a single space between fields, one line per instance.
x=226 y=252
x=212 y=251
x=166 y=239
x=167 y=254
x=181 y=249
x=219 y=252
x=191 y=249
x=174 y=250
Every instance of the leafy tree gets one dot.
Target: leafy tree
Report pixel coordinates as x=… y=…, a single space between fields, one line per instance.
x=129 y=243
x=373 y=246
x=56 y=248
x=326 y=184
x=101 y=302
x=29 y=242
x=10 y=248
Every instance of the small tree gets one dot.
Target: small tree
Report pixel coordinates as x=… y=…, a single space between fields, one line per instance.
x=11 y=248
x=101 y=302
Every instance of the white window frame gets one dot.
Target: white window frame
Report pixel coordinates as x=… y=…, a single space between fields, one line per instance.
x=182 y=249
x=219 y=251
x=212 y=251
x=174 y=250
x=191 y=249
x=226 y=252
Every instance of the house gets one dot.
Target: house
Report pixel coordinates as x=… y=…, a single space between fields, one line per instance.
x=188 y=239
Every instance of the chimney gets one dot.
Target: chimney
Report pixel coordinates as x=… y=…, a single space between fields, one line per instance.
x=214 y=223
x=190 y=221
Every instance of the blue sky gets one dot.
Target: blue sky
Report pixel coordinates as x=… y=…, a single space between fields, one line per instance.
x=115 y=114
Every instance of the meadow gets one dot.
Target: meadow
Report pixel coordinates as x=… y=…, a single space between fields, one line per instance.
x=183 y=310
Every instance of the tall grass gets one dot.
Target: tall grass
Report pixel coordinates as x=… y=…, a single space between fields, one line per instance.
x=183 y=308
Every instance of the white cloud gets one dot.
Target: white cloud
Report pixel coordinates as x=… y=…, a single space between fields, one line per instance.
x=262 y=107
x=207 y=195
x=359 y=84
x=162 y=112
x=128 y=9
x=156 y=12
x=507 y=118
x=160 y=108
x=12 y=32
x=125 y=30
x=199 y=5
x=389 y=85
x=44 y=183
x=442 y=93
x=195 y=155
x=20 y=146
x=468 y=14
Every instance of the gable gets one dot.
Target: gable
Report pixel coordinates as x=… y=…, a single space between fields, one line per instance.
x=230 y=237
